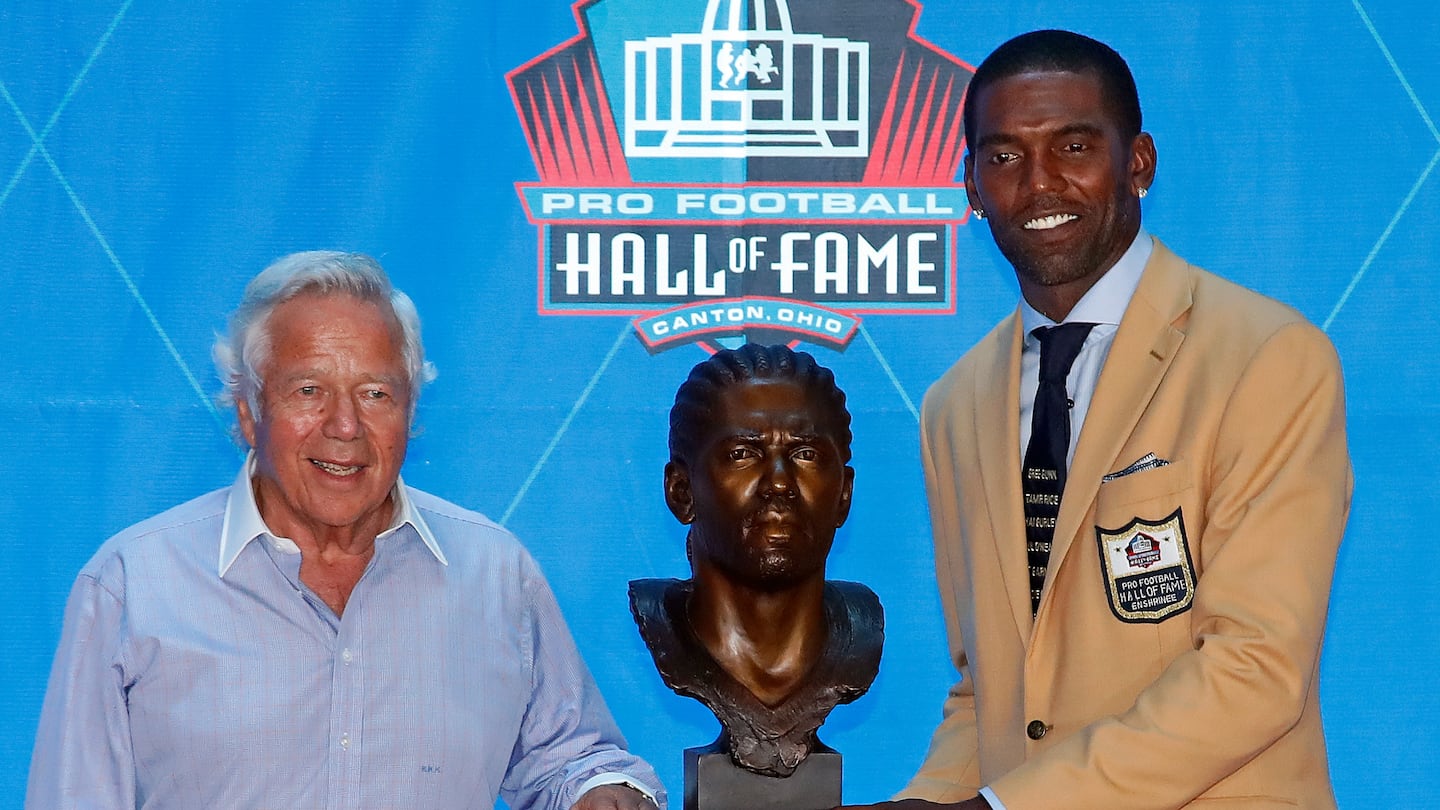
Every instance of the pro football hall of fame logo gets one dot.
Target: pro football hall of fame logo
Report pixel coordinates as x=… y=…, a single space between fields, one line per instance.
x=723 y=170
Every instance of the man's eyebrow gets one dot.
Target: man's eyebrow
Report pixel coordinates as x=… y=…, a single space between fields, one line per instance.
x=993 y=139
x=298 y=375
x=317 y=373
x=1080 y=128
x=1085 y=128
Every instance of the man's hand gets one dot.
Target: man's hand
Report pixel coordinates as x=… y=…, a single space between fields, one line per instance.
x=614 y=797
x=976 y=803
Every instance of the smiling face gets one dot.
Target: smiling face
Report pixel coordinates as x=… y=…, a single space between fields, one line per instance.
x=1057 y=179
x=766 y=488
x=334 y=417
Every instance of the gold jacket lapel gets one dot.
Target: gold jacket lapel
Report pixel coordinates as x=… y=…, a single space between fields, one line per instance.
x=997 y=432
x=1143 y=349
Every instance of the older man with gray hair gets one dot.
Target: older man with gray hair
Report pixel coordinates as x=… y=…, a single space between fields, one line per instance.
x=318 y=634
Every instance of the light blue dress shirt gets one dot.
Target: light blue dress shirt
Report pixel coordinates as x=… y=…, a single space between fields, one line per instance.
x=195 y=670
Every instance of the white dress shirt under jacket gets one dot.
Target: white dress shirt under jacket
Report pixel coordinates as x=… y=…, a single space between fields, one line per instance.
x=1103 y=305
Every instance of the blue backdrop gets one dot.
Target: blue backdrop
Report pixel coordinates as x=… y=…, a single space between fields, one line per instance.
x=154 y=156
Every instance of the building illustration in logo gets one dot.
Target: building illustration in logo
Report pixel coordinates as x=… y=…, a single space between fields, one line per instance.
x=773 y=170
x=746 y=84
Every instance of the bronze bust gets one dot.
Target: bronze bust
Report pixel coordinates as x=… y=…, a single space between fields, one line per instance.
x=759 y=452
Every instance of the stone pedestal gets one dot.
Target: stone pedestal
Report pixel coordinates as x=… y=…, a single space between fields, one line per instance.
x=714 y=782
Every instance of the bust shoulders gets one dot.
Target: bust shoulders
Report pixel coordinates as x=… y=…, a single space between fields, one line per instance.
x=770 y=740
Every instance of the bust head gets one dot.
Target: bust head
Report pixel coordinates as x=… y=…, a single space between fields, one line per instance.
x=759 y=452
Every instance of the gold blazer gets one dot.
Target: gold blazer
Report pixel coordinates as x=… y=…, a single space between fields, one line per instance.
x=1175 y=653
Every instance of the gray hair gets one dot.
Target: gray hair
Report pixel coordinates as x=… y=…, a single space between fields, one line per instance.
x=241 y=355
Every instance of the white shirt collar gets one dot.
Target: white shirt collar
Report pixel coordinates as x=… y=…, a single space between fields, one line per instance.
x=1106 y=301
x=243 y=522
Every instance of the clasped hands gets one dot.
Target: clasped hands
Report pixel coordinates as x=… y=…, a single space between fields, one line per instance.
x=976 y=803
x=624 y=797
x=614 y=797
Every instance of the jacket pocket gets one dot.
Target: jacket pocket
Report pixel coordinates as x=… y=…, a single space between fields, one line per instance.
x=1144 y=524
x=1144 y=485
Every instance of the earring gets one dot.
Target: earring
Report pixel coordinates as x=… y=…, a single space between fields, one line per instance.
x=979 y=213
x=1142 y=192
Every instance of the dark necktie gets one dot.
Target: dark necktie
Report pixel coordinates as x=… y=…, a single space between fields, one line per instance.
x=1043 y=477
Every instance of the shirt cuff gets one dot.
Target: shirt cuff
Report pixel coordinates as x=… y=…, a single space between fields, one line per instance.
x=617 y=779
x=989 y=796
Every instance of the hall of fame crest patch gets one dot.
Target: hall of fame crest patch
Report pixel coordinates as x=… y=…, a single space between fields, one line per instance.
x=1149 y=575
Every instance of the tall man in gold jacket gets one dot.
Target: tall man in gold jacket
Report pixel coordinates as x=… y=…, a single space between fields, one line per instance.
x=1172 y=653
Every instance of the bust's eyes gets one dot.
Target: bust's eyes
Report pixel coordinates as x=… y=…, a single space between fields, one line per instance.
x=740 y=453
x=805 y=454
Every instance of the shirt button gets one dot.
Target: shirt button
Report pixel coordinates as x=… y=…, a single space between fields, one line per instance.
x=1036 y=729
x=346 y=656
x=345 y=741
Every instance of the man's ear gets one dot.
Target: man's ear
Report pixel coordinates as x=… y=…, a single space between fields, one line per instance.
x=246 y=419
x=677 y=492
x=845 y=492
x=972 y=194
x=1142 y=162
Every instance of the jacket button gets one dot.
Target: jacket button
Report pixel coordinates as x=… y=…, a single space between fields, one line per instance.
x=1036 y=729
